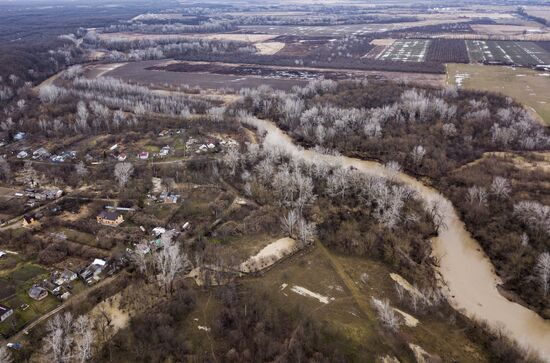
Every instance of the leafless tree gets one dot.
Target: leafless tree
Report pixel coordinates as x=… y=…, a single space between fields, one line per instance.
x=82 y=116
x=477 y=196
x=306 y=231
x=140 y=261
x=50 y=93
x=81 y=169
x=437 y=215
x=5 y=169
x=386 y=314
x=123 y=172
x=500 y=187
x=57 y=343
x=542 y=271
x=400 y=290
x=449 y=130
x=216 y=113
x=232 y=159
x=5 y=355
x=524 y=240
x=83 y=333
x=417 y=155
x=535 y=215
x=289 y=223
x=392 y=169
x=170 y=260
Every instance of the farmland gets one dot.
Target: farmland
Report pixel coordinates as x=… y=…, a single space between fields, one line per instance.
x=525 y=85
x=341 y=30
x=507 y=52
x=409 y=50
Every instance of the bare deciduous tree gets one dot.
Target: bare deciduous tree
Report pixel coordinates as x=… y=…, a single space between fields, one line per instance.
x=289 y=223
x=306 y=231
x=386 y=314
x=477 y=196
x=170 y=260
x=123 y=172
x=500 y=187
x=5 y=169
x=57 y=343
x=81 y=169
x=542 y=270
x=5 y=355
x=417 y=155
x=232 y=159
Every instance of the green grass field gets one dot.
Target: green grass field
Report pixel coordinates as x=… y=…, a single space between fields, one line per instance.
x=21 y=278
x=524 y=85
x=349 y=311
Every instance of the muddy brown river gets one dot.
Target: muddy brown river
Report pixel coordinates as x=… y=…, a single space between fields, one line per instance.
x=470 y=282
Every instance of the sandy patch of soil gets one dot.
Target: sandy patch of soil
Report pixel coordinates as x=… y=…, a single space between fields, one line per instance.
x=111 y=307
x=269 y=48
x=405 y=284
x=305 y=292
x=409 y=320
x=269 y=255
x=383 y=42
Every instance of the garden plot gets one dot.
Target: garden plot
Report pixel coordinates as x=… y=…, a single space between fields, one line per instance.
x=507 y=52
x=406 y=50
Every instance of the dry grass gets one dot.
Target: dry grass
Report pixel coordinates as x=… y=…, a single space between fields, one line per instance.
x=525 y=85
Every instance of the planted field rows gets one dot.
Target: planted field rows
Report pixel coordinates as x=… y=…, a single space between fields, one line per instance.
x=406 y=50
x=507 y=52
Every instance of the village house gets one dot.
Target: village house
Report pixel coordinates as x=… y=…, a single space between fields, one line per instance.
x=29 y=221
x=40 y=154
x=91 y=273
x=112 y=219
x=60 y=278
x=22 y=154
x=144 y=155
x=168 y=198
x=37 y=293
x=5 y=312
x=142 y=248
x=158 y=231
x=164 y=151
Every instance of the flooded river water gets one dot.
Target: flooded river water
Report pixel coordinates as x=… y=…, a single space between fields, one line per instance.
x=470 y=280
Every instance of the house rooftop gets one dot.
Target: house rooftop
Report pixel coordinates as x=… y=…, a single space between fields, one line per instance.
x=111 y=216
x=4 y=309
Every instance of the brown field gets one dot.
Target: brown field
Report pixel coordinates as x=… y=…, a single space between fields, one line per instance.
x=499 y=29
x=137 y=72
x=234 y=76
x=539 y=11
